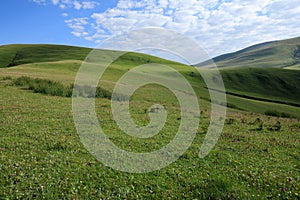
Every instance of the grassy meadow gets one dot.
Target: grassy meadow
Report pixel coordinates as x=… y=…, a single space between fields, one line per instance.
x=41 y=156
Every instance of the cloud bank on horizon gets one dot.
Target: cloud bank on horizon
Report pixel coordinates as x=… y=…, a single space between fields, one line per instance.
x=219 y=26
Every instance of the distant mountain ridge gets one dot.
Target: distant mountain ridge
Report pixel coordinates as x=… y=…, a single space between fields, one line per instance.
x=274 y=54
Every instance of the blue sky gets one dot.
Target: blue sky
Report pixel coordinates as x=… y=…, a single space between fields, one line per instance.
x=28 y=21
x=219 y=26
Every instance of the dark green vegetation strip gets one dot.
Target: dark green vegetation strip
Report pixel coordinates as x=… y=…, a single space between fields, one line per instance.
x=262 y=99
x=54 y=88
x=272 y=85
x=277 y=114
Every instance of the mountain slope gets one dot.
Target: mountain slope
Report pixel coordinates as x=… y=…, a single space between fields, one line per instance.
x=261 y=72
x=263 y=89
x=279 y=54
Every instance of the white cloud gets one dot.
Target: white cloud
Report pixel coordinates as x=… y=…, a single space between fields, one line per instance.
x=78 y=26
x=219 y=26
x=65 y=14
x=42 y=2
x=89 y=4
x=77 y=5
x=55 y=2
x=63 y=4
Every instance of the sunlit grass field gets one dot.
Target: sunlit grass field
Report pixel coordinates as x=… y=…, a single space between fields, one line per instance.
x=42 y=157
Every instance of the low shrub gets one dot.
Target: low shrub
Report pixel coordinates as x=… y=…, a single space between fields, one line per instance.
x=7 y=78
x=91 y=92
x=103 y=93
x=22 y=81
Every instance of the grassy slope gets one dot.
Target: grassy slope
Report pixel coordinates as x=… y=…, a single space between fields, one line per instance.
x=23 y=54
x=14 y=55
x=277 y=54
x=7 y=54
x=267 y=72
x=50 y=63
x=41 y=156
x=271 y=84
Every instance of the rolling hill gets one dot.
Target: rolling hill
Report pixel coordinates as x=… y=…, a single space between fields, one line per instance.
x=43 y=156
x=275 y=54
x=264 y=88
x=19 y=54
x=13 y=55
x=266 y=72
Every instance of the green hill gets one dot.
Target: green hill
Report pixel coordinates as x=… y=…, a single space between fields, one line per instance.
x=276 y=54
x=263 y=88
x=14 y=55
x=43 y=156
x=266 y=72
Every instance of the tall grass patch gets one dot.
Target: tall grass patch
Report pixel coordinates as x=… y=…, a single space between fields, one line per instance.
x=54 y=88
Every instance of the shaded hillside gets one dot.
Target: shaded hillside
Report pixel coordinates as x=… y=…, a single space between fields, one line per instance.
x=13 y=55
x=277 y=85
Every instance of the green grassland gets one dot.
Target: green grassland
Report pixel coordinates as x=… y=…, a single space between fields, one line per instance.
x=42 y=156
x=278 y=85
x=256 y=157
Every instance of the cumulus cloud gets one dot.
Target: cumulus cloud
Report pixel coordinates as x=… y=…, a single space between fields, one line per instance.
x=78 y=26
x=219 y=26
